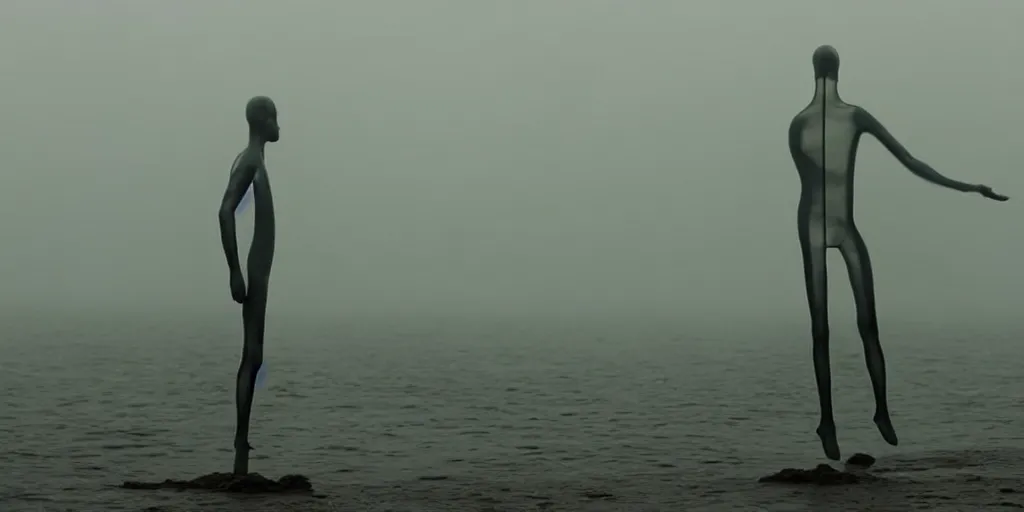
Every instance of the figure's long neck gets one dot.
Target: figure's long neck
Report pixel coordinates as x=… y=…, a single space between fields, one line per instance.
x=826 y=90
x=257 y=142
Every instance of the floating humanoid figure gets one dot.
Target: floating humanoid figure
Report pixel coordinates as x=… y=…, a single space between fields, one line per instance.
x=823 y=141
x=249 y=169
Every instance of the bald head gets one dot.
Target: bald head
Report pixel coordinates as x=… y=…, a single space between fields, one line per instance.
x=826 y=63
x=261 y=114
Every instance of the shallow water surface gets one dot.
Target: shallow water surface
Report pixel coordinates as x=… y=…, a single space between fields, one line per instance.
x=434 y=417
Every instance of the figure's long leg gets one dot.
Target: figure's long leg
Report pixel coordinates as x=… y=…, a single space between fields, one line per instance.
x=253 y=316
x=816 y=280
x=862 y=281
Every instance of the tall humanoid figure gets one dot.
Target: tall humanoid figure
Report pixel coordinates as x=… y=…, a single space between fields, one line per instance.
x=249 y=169
x=823 y=140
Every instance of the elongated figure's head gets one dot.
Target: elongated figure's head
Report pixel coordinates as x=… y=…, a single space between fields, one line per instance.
x=261 y=114
x=826 y=63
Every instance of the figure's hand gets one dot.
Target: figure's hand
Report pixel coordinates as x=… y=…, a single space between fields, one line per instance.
x=987 y=192
x=237 y=287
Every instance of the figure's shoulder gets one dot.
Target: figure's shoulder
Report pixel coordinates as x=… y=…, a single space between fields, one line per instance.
x=247 y=158
x=800 y=120
x=811 y=110
x=862 y=119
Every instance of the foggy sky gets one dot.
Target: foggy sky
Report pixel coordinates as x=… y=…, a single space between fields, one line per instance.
x=574 y=157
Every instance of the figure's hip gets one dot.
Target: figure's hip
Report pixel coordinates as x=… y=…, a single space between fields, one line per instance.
x=826 y=231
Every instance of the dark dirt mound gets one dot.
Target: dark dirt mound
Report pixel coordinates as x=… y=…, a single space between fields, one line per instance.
x=253 y=483
x=821 y=475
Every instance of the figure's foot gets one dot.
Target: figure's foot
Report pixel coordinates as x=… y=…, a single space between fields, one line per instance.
x=827 y=434
x=886 y=429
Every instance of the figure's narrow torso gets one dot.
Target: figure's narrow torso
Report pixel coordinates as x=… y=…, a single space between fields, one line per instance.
x=255 y=222
x=244 y=222
x=827 y=140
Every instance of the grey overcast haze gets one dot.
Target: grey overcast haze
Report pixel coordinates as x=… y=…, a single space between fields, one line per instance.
x=570 y=158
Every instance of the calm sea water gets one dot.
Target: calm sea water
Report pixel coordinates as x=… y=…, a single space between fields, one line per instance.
x=515 y=416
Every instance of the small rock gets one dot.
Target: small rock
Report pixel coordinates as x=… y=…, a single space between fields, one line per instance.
x=1007 y=490
x=861 y=459
x=434 y=478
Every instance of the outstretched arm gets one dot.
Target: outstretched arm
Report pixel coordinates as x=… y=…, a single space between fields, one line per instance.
x=238 y=183
x=869 y=124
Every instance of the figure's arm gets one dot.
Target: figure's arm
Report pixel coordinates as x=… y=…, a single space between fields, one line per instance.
x=238 y=183
x=869 y=124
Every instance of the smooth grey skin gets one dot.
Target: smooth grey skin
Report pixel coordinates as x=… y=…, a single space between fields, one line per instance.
x=248 y=169
x=823 y=141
